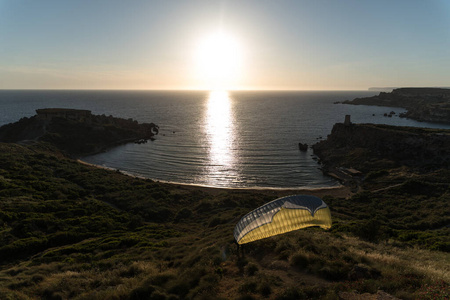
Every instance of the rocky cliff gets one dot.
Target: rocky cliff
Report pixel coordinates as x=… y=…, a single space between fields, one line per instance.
x=368 y=147
x=423 y=104
x=77 y=136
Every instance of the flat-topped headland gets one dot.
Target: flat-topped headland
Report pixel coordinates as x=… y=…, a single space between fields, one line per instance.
x=78 y=132
x=410 y=146
x=355 y=152
x=422 y=104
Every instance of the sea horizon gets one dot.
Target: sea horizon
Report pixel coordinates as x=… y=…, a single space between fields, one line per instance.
x=196 y=90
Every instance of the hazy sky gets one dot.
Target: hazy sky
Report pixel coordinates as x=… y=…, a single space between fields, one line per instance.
x=315 y=44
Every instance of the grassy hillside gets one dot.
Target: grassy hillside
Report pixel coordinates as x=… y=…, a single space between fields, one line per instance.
x=68 y=230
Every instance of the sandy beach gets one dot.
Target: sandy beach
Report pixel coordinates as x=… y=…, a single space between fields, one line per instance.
x=340 y=191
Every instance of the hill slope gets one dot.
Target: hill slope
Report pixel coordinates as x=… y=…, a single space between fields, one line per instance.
x=73 y=231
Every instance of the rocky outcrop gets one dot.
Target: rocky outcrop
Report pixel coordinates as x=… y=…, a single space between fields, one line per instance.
x=363 y=146
x=422 y=104
x=303 y=147
x=77 y=132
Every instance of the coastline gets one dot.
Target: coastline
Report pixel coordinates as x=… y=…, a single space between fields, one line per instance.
x=339 y=191
x=422 y=104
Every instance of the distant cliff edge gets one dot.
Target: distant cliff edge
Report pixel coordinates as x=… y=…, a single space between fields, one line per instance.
x=78 y=132
x=381 y=89
x=423 y=104
x=355 y=150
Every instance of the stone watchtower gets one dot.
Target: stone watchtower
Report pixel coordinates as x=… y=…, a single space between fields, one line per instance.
x=347 y=121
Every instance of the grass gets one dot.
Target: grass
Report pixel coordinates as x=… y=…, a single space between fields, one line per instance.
x=71 y=231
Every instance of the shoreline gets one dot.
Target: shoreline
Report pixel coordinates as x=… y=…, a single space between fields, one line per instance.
x=339 y=191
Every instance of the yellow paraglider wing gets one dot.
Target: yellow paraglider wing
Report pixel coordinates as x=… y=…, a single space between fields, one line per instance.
x=281 y=216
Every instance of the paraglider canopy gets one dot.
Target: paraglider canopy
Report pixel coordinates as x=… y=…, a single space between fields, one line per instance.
x=282 y=215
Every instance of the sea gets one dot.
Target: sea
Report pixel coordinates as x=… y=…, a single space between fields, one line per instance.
x=227 y=139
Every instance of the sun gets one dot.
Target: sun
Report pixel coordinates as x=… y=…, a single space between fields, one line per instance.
x=218 y=60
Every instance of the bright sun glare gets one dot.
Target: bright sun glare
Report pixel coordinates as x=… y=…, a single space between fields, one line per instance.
x=218 y=61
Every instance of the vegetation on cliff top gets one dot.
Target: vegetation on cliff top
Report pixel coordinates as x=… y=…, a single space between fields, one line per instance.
x=69 y=230
x=78 y=136
x=370 y=147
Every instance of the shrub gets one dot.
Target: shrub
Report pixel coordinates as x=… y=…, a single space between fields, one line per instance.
x=161 y=279
x=368 y=230
x=333 y=271
x=180 y=288
x=282 y=246
x=251 y=269
x=248 y=287
x=299 y=260
x=156 y=295
x=264 y=289
x=291 y=293
x=216 y=221
x=376 y=174
x=241 y=263
x=206 y=286
x=131 y=271
x=142 y=292
x=23 y=247
x=362 y=197
x=203 y=206
x=246 y=297
x=184 y=213
x=135 y=222
x=51 y=295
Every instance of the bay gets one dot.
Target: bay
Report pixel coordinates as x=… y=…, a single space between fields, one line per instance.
x=223 y=139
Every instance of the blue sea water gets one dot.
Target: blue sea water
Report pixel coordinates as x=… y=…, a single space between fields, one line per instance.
x=222 y=139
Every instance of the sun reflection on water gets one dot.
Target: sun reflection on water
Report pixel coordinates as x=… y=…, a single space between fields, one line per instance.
x=220 y=135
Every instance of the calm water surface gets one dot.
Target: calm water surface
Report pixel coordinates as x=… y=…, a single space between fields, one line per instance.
x=222 y=139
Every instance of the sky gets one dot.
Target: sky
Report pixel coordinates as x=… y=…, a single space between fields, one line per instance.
x=269 y=45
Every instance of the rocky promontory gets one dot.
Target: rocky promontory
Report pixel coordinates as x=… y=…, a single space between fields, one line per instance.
x=422 y=104
x=371 y=148
x=78 y=132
